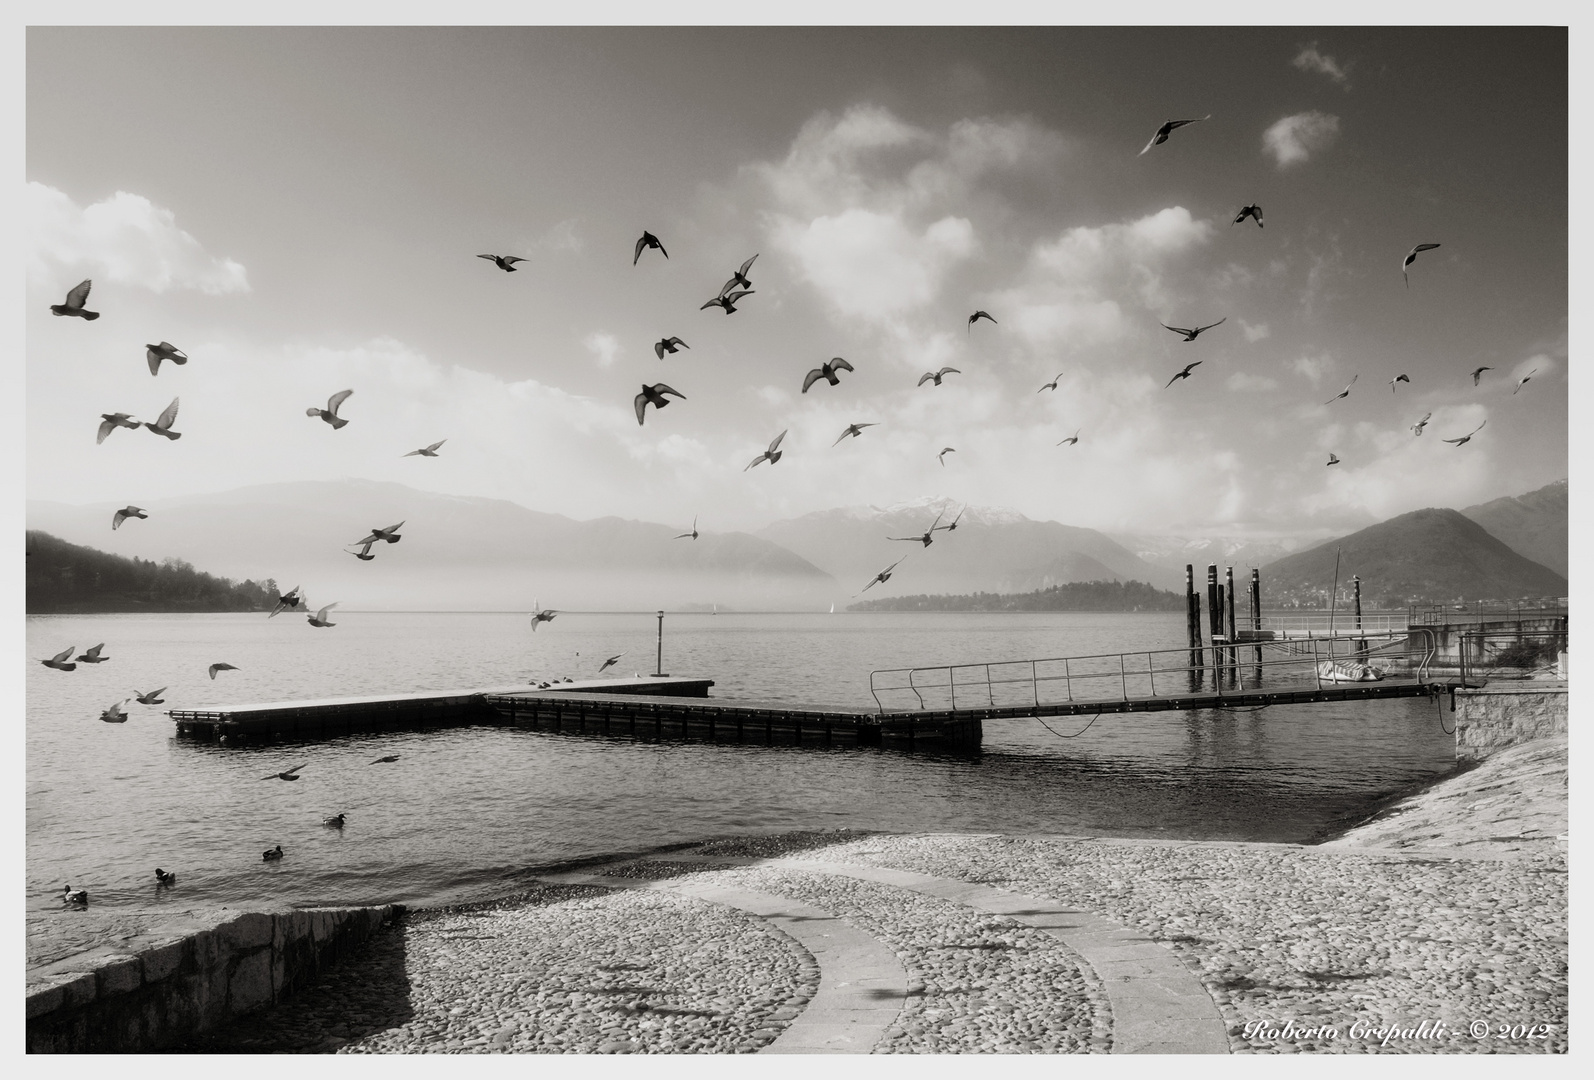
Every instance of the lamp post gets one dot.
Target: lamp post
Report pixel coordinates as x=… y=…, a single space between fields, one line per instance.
x=658 y=666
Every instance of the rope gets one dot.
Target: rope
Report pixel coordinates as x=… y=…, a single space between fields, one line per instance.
x=1439 y=704
x=1059 y=734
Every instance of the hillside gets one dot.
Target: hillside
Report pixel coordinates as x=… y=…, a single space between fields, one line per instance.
x=1534 y=525
x=67 y=578
x=1074 y=596
x=1426 y=556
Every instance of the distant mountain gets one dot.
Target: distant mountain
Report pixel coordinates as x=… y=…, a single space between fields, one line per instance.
x=1174 y=553
x=1077 y=596
x=1534 y=524
x=1426 y=556
x=991 y=550
x=63 y=577
x=456 y=552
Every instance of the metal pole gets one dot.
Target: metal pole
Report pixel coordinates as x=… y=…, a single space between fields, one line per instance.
x=658 y=666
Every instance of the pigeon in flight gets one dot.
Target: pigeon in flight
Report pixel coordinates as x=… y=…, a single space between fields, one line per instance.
x=854 y=430
x=115 y=714
x=727 y=300
x=1074 y=438
x=740 y=278
x=826 y=371
x=504 y=262
x=609 y=663
x=62 y=661
x=954 y=525
x=945 y=450
x=164 y=351
x=978 y=315
x=1411 y=257
x=1345 y=392
x=1416 y=428
x=1250 y=210
x=427 y=451
x=648 y=240
x=111 y=421
x=1477 y=374
x=1053 y=384
x=1185 y=374
x=388 y=760
x=1523 y=380
x=390 y=534
x=1333 y=459
x=880 y=578
x=286 y=774
x=936 y=375
x=1468 y=436
x=669 y=345
x=1191 y=335
x=152 y=698
x=93 y=655
x=1167 y=128
x=125 y=513
x=330 y=413
x=320 y=617
x=653 y=395
x=771 y=455
x=288 y=601
x=221 y=667
x=335 y=821
x=693 y=533
x=1398 y=378
x=163 y=423
x=75 y=301
x=929 y=534
x=541 y=615
x=364 y=554
x=274 y=855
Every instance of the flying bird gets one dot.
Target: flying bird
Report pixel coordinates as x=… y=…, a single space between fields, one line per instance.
x=163 y=423
x=1191 y=335
x=112 y=421
x=163 y=879
x=1345 y=392
x=648 y=240
x=739 y=278
x=274 y=855
x=1411 y=258
x=1523 y=380
x=152 y=698
x=125 y=513
x=1477 y=374
x=427 y=451
x=945 y=450
x=936 y=375
x=164 y=351
x=1249 y=210
x=75 y=897
x=390 y=759
x=881 y=577
x=854 y=430
x=289 y=601
x=320 y=617
x=1167 y=128
x=115 y=714
x=653 y=395
x=335 y=821
x=75 y=301
x=1420 y=424
x=669 y=345
x=364 y=554
x=928 y=537
x=1333 y=459
x=771 y=455
x=826 y=371
x=390 y=534
x=727 y=300
x=221 y=667
x=504 y=262
x=1185 y=374
x=286 y=774
x=1053 y=384
x=1074 y=438
x=62 y=661
x=1468 y=436
x=609 y=663
x=93 y=655
x=1398 y=378
x=954 y=525
x=978 y=315
x=693 y=533
x=330 y=413
x=547 y=614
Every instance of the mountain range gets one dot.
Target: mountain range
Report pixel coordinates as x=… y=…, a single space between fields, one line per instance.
x=1534 y=524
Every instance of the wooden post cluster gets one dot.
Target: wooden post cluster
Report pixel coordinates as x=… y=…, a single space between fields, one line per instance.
x=1192 y=618
x=1231 y=654
x=1361 y=642
x=1256 y=620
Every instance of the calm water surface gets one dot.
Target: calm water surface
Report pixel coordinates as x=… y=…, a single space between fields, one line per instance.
x=466 y=811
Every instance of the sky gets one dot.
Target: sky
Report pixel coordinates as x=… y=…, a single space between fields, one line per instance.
x=300 y=211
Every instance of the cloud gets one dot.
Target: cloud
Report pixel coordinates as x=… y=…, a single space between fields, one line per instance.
x=1539 y=364
x=1244 y=383
x=1295 y=139
x=561 y=237
x=1309 y=59
x=124 y=239
x=872 y=265
x=603 y=345
x=1312 y=368
x=1254 y=333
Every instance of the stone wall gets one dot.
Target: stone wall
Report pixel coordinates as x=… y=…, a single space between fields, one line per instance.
x=159 y=983
x=1506 y=714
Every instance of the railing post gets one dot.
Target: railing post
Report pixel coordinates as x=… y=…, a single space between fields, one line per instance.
x=1317 y=663
x=990 y=695
x=1151 y=674
x=1068 y=680
x=1123 y=676
x=1034 y=685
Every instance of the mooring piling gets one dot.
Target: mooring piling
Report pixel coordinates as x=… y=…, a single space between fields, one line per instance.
x=1192 y=618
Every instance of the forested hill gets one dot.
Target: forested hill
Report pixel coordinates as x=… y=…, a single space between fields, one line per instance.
x=1074 y=596
x=66 y=578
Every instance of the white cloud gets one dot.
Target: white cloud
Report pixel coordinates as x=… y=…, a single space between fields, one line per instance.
x=602 y=345
x=1244 y=383
x=1295 y=139
x=1254 y=333
x=124 y=239
x=1309 y=59
x=561 y=236
x=872 y=265
x=1312 y=368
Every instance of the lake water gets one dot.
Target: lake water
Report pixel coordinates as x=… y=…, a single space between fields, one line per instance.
x=466 y=811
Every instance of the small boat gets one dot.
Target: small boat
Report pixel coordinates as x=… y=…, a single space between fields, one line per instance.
x=1347 y=671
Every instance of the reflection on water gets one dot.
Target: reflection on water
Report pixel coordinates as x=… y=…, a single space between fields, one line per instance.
x=465 y=810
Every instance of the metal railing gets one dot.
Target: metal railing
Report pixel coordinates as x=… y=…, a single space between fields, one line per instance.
x=1532 y=607
x=1341 y=624
x=1157 y=673
x=1511 y=654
